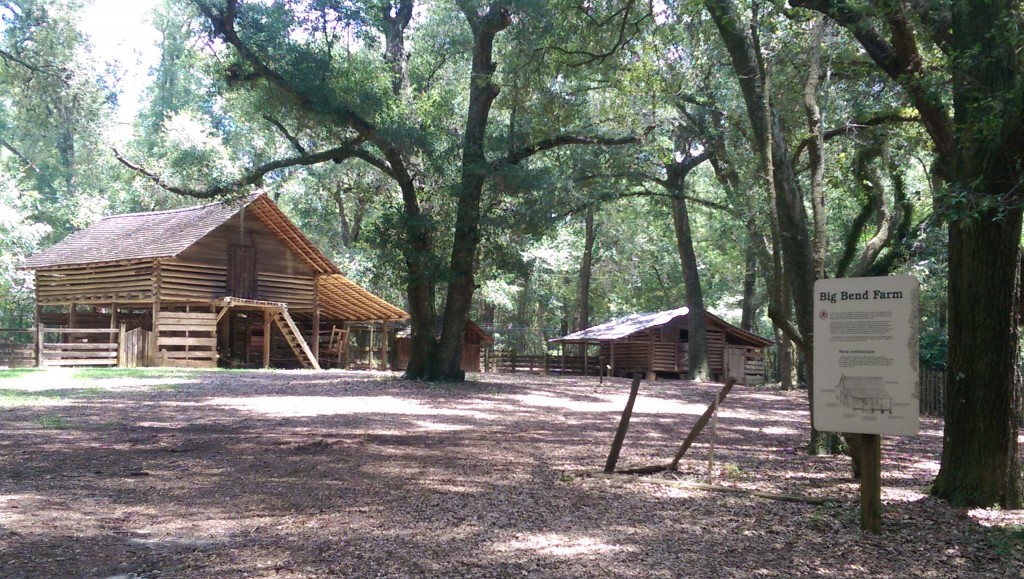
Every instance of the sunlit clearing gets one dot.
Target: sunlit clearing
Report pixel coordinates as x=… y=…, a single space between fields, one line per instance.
x=440 y=426
x=643 y=405
x=931 y=466
x=779 y=430
x=327 y=405
x=560 y=545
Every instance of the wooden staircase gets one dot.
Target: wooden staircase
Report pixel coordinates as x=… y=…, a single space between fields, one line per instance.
x=298 y=344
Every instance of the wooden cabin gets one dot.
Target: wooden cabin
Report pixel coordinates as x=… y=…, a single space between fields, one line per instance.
x=474 y=341
x=657 y=343
x=231 y=283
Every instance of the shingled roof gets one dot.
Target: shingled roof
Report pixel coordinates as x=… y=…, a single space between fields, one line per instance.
x=154 y=234
x=166 y=234
x=628 y=325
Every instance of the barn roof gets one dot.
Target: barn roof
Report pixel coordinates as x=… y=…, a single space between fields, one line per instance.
x=626 y=326
x=166 y=234
x=154 y=234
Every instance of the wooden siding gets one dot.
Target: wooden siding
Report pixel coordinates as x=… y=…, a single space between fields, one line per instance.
x=181 y=280
x=95 y=284
x=271 y=254
x=187 y=339
x=298 y=292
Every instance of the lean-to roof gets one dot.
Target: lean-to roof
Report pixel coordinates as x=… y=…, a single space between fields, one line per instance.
x=626 y=326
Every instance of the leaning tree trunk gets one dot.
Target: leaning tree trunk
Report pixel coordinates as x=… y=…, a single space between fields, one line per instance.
x=774 y=154
x=482 y=93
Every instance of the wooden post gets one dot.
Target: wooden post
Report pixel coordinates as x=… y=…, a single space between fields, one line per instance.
x=71 y=315
x=121 y=355
x=40 y=336
x=701 y=423
x=871 y=483
x=384 y=345
x=370 y=348
x=586 y=358
x=620 y=433
x=348 y=358
x=611 y=362
x=714 y=434
x=314 y=343
x=561 y=348
x=267 y=317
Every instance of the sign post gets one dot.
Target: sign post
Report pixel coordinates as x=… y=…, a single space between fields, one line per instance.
x=866 y=377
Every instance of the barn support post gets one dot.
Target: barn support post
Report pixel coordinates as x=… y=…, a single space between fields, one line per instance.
x=611 y=362
x=121 y=355
x=384 y=345
x=561 y=348
x=586 y=358
x=268 y=315
x=314 y=340
x=39 y=344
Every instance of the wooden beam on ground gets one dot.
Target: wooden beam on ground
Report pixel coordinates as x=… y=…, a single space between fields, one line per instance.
x=620 y=432
x=697 y=428
x=714 y=488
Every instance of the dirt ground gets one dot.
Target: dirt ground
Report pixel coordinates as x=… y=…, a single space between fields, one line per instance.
x=340 y=474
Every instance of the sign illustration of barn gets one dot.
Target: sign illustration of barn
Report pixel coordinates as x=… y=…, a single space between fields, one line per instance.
x=864 y=393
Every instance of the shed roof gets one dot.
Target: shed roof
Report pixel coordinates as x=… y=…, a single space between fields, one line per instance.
x=626 y=326
x=166 y=234
x=471 y=328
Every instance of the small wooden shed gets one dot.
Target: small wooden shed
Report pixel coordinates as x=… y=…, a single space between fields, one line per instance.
x=473 y=343
x=203 y=284
x=657 y=343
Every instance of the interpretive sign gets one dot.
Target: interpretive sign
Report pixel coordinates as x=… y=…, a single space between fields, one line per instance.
x=865 y=355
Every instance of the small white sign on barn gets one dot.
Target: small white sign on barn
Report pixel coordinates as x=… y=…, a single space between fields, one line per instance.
x=866 y=376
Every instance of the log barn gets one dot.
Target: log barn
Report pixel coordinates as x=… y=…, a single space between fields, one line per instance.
x=230 y=283
x=656 y=343
x=474 y=340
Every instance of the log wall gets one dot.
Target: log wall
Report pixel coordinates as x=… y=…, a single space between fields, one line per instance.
x=104 y=283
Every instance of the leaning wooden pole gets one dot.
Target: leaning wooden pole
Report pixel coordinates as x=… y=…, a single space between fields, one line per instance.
x=620 y=434
x=697 y=428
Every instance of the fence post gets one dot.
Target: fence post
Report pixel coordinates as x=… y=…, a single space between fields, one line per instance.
x=121 y=356
x=39 y=345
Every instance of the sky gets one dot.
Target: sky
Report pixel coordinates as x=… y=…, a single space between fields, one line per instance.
x=120 y=31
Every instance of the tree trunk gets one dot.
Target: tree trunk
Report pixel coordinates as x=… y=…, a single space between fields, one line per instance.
x=797 y=253
x=697 y=351
x=979 y=464
x=461 y=285
x=582 y=320
x=750 y=306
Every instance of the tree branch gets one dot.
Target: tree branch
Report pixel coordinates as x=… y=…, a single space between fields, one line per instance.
x=255 y=175
x=515 y=157
x=852 y=126
x=900 y=60
x=287 y=135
